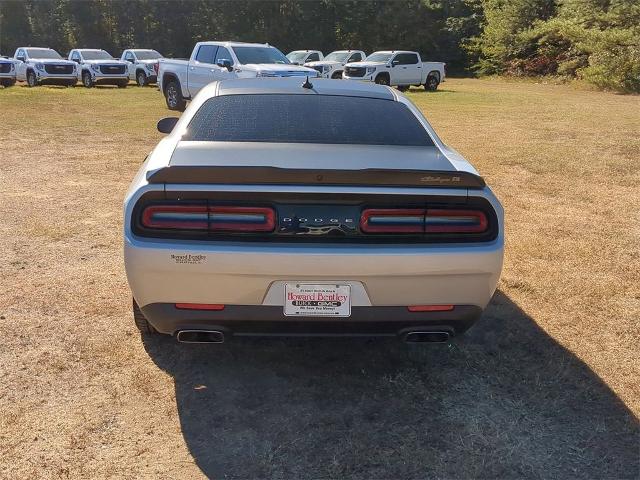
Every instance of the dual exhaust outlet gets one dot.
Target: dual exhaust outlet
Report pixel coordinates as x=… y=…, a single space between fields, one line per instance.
x=216 y=336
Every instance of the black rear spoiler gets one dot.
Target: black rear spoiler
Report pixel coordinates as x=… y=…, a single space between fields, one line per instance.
x=287 y=176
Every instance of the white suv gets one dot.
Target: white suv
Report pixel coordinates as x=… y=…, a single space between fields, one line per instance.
x=142 y=64
x=98 y=67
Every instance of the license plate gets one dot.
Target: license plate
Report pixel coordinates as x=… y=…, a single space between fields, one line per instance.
x=325 y=300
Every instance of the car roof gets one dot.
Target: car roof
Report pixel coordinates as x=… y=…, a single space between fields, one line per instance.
x=236 y=44
x=321 y=86
x=393 y=51
x=89 y=50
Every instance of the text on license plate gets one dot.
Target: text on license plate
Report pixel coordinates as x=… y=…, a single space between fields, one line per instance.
x=326 y=300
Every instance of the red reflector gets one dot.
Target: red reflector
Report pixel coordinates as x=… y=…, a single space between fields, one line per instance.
x=199 y=306
x=430 y=308
x=183 y=217
x=392 y=220
x=241 y=219
x=455 y=221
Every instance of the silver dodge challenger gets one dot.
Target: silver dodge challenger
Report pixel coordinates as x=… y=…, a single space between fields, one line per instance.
x=318 y=207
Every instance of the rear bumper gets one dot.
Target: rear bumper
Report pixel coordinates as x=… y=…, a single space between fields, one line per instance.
x=248 y=320
x=253 y=274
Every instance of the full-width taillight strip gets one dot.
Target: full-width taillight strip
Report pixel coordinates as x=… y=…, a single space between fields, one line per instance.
x=415 y=220
x=211 y=218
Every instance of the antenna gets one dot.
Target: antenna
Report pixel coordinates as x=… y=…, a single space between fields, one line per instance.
x=307 y=84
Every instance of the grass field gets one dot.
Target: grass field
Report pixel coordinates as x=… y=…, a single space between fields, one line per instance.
x=546 y=385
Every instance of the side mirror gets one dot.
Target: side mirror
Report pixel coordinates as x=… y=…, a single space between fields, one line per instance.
x=225 y=63
x=22 y=59
x=165 y=125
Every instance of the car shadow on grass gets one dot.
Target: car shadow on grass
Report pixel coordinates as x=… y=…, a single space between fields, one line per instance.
x=503 y=401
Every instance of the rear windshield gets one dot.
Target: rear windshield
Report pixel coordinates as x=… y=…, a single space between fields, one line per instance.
x=282 y=118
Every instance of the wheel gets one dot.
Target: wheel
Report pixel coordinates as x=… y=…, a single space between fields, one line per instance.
x=173 y=95
x=336 y=75
x=403 y=88
x=123 y=85
x=382 y=80
x=9 y=82
x=141 y=322
x=141 y=79
x=87 y=81
x=431 y=85
x=32 y=80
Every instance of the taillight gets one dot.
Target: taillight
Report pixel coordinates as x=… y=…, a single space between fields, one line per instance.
x=391 y=220
x=455 y=221
x=241 y=219
x=208 y=218
x=415 y=220
x=176 y=217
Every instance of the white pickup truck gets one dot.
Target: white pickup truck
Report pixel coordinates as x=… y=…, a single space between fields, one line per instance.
x=44 y=66
x=397 y=68
x=333 y=64
x=180 y=80
x=7 y=72
x=98 y=67
x=143 y=65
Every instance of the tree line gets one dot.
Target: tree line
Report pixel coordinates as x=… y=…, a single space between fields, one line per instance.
x=596 y=40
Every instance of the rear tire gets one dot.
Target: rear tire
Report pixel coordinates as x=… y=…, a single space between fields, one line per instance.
x=173 y=96
x=6 y=83
x=431 y=85
x=87 y=81
x=141 y=322
x=403 y=88
x=141 y=79
x=32 y=80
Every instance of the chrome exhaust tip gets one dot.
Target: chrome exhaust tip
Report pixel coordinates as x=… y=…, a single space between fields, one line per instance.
x=200 y=336
x=427 y=337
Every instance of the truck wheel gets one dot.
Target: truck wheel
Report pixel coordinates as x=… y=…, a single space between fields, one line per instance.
x=10 y=82
x=382 y=79
x=142 y=323
x=32 y=80
x=431 y=85
x=173 y=95
x=403 y=88
x=87 y=81
x=336 y=75
x=141 y=79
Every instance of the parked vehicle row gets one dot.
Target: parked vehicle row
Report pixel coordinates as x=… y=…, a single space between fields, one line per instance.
x=180 y=80
x=45 y=66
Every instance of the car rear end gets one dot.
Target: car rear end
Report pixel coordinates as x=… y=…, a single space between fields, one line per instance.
x=249 y=227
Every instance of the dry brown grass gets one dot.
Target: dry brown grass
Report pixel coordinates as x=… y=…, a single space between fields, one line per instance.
x=546 y=385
